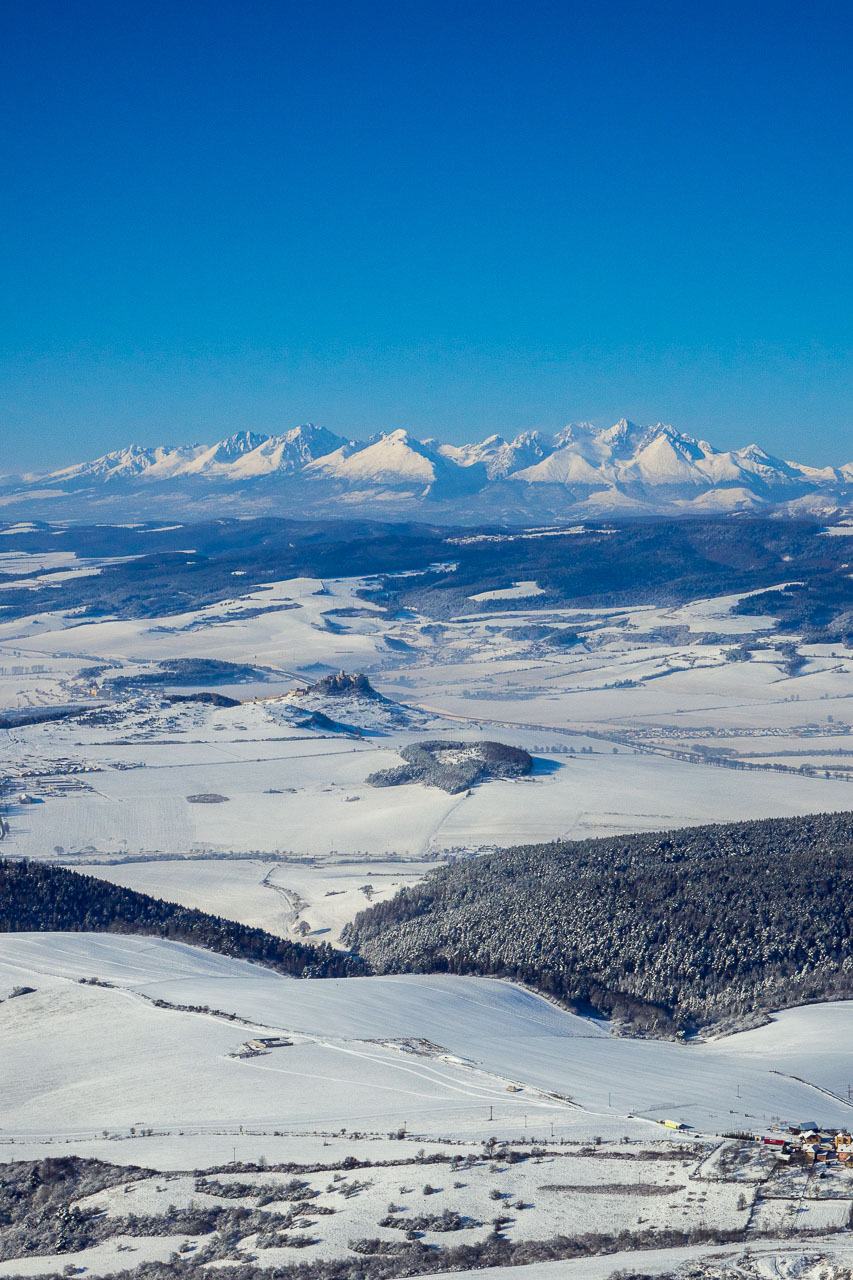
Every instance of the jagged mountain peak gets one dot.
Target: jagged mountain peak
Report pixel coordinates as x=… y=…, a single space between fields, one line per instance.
x=498 y=456
x=235 y=446
x=631 y=435
x=128 y=461
x=624 y=429
x=754 y=452
x=573 y=432
x=241 y=442
x=400 y=437
x=304 y=430
x=311 y=441
x=582 y=470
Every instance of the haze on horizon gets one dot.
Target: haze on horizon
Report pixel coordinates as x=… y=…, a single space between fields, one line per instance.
x=454 y=219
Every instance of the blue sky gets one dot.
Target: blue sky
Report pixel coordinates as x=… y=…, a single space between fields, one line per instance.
x=457 y=218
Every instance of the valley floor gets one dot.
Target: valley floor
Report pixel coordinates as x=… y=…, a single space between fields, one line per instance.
x=135 y=1051
x=647 y=724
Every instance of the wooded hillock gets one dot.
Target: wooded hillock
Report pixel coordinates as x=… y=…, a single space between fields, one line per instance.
x=454 y=766
x=189 y=671
x=664 y=932
x=38 y=1209
x=208 y=699
x=36 y=897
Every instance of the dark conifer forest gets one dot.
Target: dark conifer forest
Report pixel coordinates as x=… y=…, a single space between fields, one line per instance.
x=664 y=932
x=36 y=897
x=664 y=561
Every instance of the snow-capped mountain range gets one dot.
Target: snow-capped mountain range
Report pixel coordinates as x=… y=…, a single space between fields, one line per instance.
x=582 y=471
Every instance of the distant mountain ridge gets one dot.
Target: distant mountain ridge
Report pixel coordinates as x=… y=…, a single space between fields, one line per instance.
x=582 y=471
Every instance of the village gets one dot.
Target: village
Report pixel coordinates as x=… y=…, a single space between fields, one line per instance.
x=806 y=1143
x=813 y=1144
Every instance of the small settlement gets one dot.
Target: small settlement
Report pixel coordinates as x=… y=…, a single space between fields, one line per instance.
x=815 y=1144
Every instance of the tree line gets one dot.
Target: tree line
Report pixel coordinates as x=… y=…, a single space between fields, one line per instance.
x=36 y=897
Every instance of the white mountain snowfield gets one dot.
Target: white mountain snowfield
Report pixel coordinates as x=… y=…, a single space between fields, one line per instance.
x=583 y=470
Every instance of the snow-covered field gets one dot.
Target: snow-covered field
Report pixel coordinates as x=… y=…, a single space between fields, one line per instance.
x=827 y=1258
x=119 y=1253
x=94 y=1069
x=518 y=591
x=287 y=898
x=359 y=1062
x=634 y=728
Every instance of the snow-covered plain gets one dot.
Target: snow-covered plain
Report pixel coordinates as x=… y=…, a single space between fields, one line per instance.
x=613 y=723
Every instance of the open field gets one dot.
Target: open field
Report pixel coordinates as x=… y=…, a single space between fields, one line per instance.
x=291 y=899
x=431 y=1058
x=481 y=1036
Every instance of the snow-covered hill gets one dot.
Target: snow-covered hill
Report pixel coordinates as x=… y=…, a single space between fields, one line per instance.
x=347 y=1060
x=583 y=470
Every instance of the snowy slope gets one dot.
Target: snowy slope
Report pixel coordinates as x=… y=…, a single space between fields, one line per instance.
x=391 y=458
x=61 y=1071
x=397 y=460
